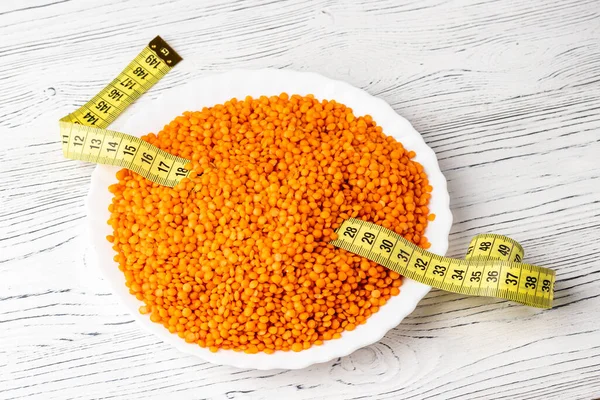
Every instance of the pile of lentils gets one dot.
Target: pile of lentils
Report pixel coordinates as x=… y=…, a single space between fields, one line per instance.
x=237 y=256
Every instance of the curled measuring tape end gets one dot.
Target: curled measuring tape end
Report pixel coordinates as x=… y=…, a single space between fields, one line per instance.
x=492 y=266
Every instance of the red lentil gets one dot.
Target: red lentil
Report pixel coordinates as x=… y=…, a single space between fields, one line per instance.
x=237 y=256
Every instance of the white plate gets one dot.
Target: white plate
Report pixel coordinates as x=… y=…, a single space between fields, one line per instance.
x=217 y=89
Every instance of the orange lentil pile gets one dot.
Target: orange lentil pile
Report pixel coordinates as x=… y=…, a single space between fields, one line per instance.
x=237 y=256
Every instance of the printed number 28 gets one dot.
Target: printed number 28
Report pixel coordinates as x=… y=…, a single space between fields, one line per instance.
x=350 y=232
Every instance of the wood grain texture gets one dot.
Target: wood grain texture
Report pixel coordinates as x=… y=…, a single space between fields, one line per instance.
x=507 y=93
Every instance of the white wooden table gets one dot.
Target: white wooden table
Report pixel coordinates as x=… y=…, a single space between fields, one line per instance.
x=506 y=92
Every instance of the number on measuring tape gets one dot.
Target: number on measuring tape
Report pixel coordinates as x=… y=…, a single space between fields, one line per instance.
x=182 y=172
x=350 y=232
x=78 y=140
x=147 y=158
x=95 y=143
x=403 y=255
x=103 y=107
x=546 y=285
x=152 y=61
x=368 y=238
x=504 y=249
x=130 y=150
x=386 y=245
x=115 y=95
x=511 y=279
x=458 y=274
x=492 y=276
x=439 y=270
x=530 y=282
x=128 y=83
x=163 y=167
x=140 y=73
x=421 y=264
x=90 y=118
x=484 y=246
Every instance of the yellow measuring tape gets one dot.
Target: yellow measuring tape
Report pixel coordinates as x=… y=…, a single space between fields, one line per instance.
x=492 y=266
x=84 y=139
